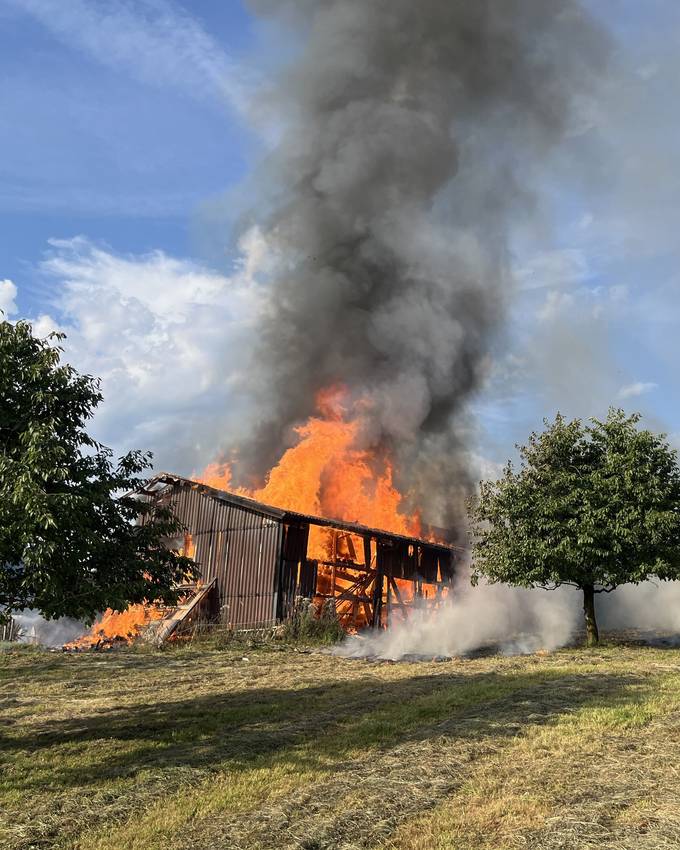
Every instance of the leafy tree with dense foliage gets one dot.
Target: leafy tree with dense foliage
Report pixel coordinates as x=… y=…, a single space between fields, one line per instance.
x=73 y=542
x=593 y=506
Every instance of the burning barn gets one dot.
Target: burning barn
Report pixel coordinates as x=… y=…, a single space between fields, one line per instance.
x=255 y=560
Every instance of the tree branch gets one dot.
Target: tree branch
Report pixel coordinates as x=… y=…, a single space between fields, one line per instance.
x=556 y=585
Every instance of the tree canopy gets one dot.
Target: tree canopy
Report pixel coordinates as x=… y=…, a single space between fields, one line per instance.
x=592 y=505
x=73 y=541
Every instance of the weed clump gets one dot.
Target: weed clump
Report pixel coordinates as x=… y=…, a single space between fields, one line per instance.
x=308 y=623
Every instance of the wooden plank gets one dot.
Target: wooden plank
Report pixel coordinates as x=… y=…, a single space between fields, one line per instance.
x=168 y=625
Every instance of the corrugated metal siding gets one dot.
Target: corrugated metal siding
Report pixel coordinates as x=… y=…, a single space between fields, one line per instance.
x=238 y=547
x=251 y=576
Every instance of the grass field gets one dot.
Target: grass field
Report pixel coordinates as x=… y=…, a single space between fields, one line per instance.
x=260 y=748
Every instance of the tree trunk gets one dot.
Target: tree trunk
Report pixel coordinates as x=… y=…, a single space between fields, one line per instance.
x=592 y=634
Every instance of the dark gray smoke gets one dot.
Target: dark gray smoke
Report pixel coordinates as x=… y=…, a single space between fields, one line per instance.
x=409 y=130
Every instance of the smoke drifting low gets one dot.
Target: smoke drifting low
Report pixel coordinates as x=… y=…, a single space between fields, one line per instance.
x=515 y=621
x=510 y=620
x=408 y=133
x=36 y=629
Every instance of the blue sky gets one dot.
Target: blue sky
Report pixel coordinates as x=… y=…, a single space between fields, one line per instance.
x=97 y=139
x=128 y=132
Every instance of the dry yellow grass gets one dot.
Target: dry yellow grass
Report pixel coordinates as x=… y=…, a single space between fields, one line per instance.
x=266 y=749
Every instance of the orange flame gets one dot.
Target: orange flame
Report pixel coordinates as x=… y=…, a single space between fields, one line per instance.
x=217 y=475
x=117 y=628
x=327 y=475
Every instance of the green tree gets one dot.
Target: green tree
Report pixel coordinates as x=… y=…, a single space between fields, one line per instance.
x=592 y=506
x=72 y=542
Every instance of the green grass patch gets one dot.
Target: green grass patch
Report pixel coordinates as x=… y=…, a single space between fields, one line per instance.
x=255 y=747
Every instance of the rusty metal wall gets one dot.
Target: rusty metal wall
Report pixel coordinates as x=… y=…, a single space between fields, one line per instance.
x=239 y=548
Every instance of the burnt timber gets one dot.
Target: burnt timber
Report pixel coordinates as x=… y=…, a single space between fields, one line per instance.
x=260 y=558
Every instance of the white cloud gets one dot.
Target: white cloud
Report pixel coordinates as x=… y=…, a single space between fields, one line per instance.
x=554 y=305
x=563 y=267
x=618 y=294
x=637 y=389
x=170 y=339
x=156 y=41
x=8 y=294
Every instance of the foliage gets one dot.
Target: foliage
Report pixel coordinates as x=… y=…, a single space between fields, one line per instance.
x=70 y=543
x=307 y=623
x=593 y=506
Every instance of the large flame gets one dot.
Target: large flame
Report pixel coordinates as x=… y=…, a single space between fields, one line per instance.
x=327 y=475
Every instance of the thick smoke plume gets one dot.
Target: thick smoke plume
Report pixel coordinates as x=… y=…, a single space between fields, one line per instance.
x=407 y=137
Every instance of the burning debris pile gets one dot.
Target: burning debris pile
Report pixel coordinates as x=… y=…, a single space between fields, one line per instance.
x=116 y=629
x=154 y=622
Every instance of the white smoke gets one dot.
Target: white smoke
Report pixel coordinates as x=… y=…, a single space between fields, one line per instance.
x=507 y=619
x=653 y=606
x=36 y=629
x=516 y=621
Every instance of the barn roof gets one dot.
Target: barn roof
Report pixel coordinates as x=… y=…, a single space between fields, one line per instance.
x=166 y=478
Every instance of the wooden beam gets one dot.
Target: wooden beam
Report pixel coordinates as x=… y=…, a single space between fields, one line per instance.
x=350 y=565
x=377 y=597
x=395 y=587
x=367 y=552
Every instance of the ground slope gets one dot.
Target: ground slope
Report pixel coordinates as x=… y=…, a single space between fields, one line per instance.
x=264 y=749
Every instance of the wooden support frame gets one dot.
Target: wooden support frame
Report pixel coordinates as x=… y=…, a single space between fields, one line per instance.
x=378 y=588
x=364 y=584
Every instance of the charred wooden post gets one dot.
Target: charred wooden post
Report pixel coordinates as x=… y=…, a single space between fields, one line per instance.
x=378 y=586
x=368 y=560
